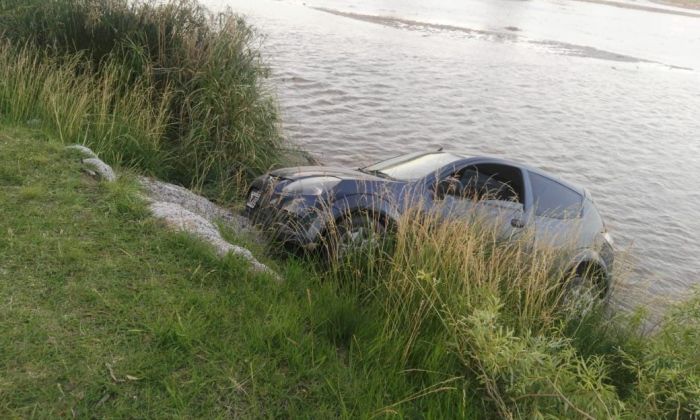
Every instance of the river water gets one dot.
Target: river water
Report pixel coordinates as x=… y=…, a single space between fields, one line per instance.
x=607 y=97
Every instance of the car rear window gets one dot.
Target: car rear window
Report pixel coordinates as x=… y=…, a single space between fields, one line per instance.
x=555 y=200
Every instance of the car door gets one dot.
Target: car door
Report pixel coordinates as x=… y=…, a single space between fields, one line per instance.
x=487 y=193
x=557 y=211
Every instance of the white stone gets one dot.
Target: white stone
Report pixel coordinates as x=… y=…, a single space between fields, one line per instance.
x=105 y=171
x=183 y=210
x=169 y=193
x=180 y=218
x=83 y=149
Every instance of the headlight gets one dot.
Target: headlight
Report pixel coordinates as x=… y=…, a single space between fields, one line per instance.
x=608 y=238
x=311 y=186
x=297 y=206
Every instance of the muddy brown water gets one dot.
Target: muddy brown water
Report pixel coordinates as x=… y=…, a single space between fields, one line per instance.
x=607 y=97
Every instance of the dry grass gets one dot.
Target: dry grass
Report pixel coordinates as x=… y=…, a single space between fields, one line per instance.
x=467 y=310
x=119 y=123
x=165 y=86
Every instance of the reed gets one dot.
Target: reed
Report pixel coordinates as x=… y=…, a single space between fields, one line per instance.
x=186 y=86
x=468 y=315
x=120 y=124
x=437 y=318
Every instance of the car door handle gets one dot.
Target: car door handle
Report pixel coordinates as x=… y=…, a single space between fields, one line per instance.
x=517 y=223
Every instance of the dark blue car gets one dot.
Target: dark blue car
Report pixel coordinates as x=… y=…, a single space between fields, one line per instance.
x=301 y=204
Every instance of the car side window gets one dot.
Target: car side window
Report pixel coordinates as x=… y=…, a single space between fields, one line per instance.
x=554 y=200
x=479 y=184
x=485 y=182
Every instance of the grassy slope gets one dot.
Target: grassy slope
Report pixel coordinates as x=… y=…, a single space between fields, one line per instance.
x=105 y=313
x=102 y=311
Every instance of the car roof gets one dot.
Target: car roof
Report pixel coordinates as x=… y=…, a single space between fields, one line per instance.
x=523 y=166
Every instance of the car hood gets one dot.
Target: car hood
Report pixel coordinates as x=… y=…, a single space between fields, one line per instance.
x=302 y=172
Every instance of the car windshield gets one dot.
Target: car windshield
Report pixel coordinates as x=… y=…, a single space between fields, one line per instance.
x=412 y=166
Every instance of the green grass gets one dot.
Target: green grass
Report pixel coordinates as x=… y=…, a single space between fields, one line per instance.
x=467 y=315
x=105 y=313
x=166 y=87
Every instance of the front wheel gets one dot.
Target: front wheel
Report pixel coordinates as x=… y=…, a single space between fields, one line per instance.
x=352 y=234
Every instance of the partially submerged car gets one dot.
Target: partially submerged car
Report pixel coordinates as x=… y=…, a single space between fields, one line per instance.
x=302 y=204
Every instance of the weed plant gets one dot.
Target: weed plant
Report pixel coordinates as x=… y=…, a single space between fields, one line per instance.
x=439 y=320
x=166 y=87
x=470 y=318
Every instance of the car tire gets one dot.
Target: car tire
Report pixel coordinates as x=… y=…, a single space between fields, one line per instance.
x=353 y=232
x=584 y=290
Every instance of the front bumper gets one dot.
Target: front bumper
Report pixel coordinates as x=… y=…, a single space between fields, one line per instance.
x=289 y=220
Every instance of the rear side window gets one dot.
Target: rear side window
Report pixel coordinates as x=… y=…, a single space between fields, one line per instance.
x=553 y=199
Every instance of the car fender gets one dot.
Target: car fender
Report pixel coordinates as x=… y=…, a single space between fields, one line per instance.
x=588 y=256
x=371 y=203
x=355 y=203
x=347 y=205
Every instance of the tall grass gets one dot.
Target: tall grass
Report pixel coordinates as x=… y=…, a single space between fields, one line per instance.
x=467 y=313
x=197 y=78
x=121 y=124
x=463 y=316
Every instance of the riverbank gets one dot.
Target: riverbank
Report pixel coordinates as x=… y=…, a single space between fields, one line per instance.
x=688 y=4
x=680 y=4
x=108 y=313
x=146 y=86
